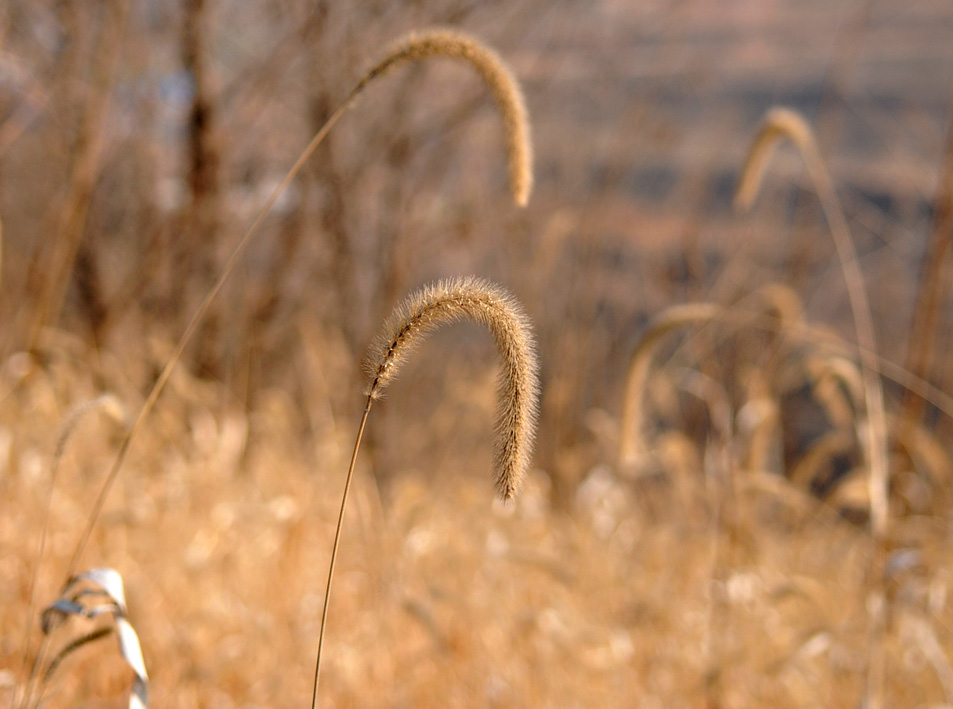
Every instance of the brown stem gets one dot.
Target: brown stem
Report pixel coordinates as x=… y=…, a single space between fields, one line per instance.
x=926 y=312
x=72 y=219
x=337 y=539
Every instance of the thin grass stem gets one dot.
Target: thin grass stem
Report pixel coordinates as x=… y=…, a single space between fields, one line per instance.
x=782 y=122
x=334 y=548
x=436 y=42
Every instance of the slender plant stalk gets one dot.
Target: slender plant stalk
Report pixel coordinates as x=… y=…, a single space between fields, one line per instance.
x=785 y=123
x=71 y=222
x=933 y=285
x=433 y=43
x=334 y=547
x=196 y=320
x=631 y=445
x=518 y=387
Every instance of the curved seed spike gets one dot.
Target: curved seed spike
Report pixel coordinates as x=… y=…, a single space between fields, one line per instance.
x=783 y=122
x=476 y=299
x=425 y=310
x=778 y=123
x=109 y=404
x=497 y=77
x=519 y=148
x=630 y=443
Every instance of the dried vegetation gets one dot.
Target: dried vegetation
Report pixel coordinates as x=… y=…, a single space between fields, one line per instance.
x=741 y=490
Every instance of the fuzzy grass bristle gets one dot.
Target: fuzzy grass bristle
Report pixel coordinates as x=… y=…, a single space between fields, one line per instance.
x=494 y=73
x=778 y=123
x=438 y=42
x=475 y=299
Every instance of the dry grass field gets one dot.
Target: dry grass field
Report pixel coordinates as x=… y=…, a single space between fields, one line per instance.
x=741 y=489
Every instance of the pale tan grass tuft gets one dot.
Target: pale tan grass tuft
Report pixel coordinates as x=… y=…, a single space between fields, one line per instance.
x=497 y=77
x=442 y=303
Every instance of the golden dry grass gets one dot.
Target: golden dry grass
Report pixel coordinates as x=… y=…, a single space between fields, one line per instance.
x=444 y=599
x=724 y=561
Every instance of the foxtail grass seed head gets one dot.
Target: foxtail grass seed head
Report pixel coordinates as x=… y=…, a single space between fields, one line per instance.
x=778 y=123
x=631 y=445
x=787 y=123
x=497 y=77
x=478 y=300
x=109 y=404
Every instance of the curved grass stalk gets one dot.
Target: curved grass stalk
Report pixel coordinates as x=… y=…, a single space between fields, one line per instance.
x=415 y=46
x=826 y=448
x=497 y=77
x=838 y=386
x=518 y=388
x=630 y=439
x=785 y=123
x=780 y=302
x=775 y=300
